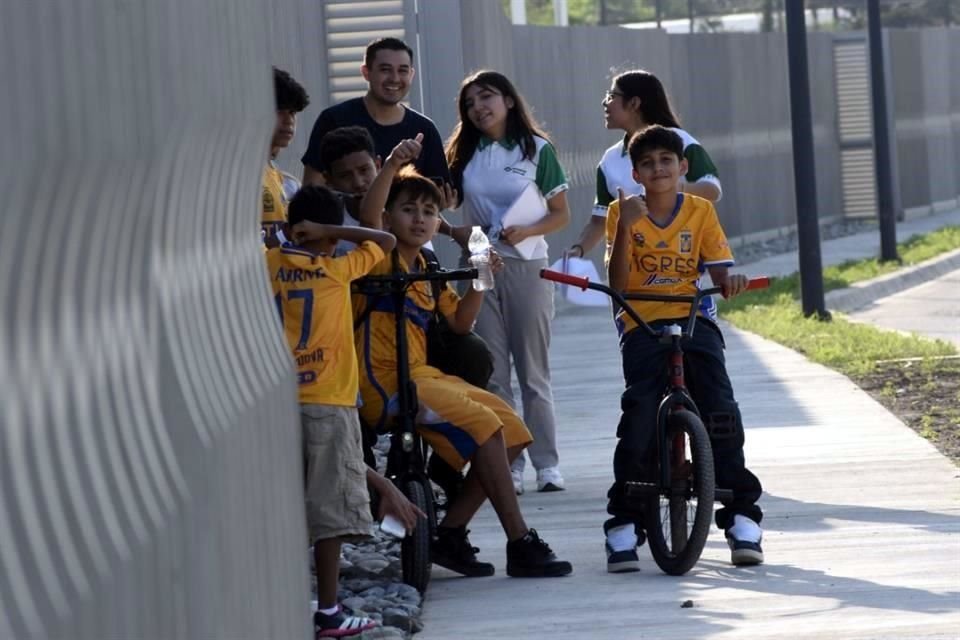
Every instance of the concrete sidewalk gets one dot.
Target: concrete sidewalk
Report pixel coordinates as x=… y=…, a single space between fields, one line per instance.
x=862 y=515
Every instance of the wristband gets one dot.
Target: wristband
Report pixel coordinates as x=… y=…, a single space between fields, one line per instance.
x=578 y=246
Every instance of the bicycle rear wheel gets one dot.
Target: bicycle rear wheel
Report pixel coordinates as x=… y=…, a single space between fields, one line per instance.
x=678 y=517
x=415 y=548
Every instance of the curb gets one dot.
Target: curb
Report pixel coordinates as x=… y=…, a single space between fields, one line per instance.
x=863 y=293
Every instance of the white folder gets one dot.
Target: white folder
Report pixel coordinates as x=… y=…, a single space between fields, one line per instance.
x=529 y=207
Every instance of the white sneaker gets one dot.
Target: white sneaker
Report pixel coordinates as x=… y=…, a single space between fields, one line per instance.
x=549 y=479
x=517 y=481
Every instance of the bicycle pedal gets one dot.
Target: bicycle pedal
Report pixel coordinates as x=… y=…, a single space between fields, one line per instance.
x=641 y=489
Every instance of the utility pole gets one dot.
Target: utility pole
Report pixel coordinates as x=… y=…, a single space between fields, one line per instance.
x=561 y=15
x=518 y=11
x=690 y=13
x=603 y=11
x=804 y=172
x=658 y=6
x=881 y=138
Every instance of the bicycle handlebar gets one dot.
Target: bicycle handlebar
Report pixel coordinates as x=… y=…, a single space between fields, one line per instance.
x=620 y=299
x=400 y=281
x=441 y=275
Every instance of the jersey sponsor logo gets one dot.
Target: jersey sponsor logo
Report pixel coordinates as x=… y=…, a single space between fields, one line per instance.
x=664 y=264
x=657 y=280
x=298 y=275
x=662 y=245
x=686 y=241
x=516 y=170
x=306 y=377
x=268 y=204
x=638 y=240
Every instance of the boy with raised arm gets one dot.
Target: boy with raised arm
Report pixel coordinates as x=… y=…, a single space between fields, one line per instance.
x=312 y=292
x=461 y=423
x=662 y=245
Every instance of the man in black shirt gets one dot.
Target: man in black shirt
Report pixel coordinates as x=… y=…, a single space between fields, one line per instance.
x=388 y=70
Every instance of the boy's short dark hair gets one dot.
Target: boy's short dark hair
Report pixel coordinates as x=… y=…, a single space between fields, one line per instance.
x=343 y=141
x=415 y=186
x=316 y=204
x=654 y=137
x=288 y=93
x=388 y=44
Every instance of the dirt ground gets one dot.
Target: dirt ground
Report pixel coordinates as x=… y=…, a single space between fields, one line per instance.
x=924 y=395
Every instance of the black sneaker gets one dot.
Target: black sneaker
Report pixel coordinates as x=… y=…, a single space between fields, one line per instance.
x=744 y=553
x=624 y=561
x=452 y=550
x=744 y=539
x=531 y=557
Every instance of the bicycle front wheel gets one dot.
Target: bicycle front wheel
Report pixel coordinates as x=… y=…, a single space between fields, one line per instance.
x=415 y=548
x=678 y=517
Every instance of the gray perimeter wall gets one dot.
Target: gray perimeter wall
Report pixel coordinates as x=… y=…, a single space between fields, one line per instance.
x=150 y=475
x=731 y=92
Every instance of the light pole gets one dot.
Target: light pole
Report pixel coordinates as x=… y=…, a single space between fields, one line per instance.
x=804 y=168
x=881 y=137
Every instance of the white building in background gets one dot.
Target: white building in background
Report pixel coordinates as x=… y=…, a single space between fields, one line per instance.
x=744 y=22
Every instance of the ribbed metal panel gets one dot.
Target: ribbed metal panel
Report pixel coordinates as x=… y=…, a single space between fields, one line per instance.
x=859 y=182
x=855 y=127
x=149 y=440
x=350 y=26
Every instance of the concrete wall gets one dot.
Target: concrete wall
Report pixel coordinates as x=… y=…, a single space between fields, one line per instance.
x=926 y=105
x=730 y=90
x=150 y=483
x=712 y=81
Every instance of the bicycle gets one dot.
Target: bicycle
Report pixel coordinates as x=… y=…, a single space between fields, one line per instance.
x=407 y=456
x=678 y=506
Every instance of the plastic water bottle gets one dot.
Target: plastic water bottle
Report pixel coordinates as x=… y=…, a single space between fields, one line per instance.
x=479 y=246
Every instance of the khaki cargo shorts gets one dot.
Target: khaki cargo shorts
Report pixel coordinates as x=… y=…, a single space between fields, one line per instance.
x=338 y=504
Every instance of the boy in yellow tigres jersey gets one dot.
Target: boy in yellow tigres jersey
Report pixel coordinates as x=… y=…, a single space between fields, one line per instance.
x=662 y=245
x=462 y=423
x=312 y=290
x=279 y=187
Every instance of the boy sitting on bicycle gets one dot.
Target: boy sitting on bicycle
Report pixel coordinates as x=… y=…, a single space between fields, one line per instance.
x=312 y=291
x=460 y=422
x=661 y=245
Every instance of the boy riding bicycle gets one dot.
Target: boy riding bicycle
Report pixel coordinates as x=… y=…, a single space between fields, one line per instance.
x=662 y=245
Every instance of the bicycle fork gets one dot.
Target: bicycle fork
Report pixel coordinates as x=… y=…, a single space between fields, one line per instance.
x=672 y=449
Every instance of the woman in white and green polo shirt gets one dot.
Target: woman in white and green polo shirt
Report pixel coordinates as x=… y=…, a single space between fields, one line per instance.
x=496 y=151
x=636 y=100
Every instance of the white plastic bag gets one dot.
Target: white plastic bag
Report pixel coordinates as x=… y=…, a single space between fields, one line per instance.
x=575 y=295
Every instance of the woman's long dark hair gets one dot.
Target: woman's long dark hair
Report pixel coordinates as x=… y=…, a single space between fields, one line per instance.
x=654 y=104
x=521 y=125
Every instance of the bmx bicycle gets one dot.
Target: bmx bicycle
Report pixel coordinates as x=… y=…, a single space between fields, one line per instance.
x=407 y=456
x=678 y=505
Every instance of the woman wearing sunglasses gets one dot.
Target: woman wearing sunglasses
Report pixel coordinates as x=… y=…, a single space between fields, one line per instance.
x=636 y=100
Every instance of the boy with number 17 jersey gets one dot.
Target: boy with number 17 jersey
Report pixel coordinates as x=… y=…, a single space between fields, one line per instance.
x=312 y=293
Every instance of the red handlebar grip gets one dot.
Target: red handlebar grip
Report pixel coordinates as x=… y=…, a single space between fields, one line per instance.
x=758 y=283
x=564 y=278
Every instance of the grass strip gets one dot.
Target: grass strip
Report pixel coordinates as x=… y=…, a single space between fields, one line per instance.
x=849 y=347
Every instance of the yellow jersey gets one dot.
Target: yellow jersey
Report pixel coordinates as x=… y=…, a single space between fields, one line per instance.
x=312 y=293
x=376 y=338
x=274 y=209
x=670 y=259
